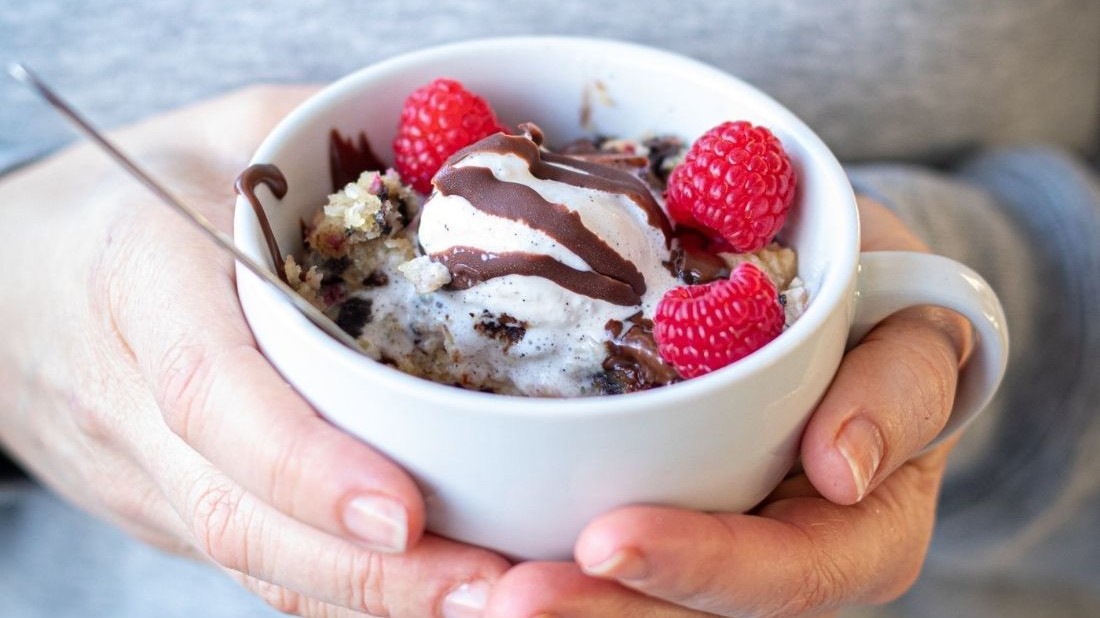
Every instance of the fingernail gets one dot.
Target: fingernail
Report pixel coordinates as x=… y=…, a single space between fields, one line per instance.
x=378 y=521
x=623 y=564
x=466 y=601
x=862 y=445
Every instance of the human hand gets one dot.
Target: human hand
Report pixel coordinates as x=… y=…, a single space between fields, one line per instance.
x=851 y=526
x=129 y=382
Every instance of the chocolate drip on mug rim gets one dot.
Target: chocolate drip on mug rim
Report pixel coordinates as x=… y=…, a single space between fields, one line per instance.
x=269 y=175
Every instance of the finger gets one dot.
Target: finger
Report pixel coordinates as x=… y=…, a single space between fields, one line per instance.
x=223 y=398
x=882 y=230
x=561 y=590
x=105 y=481
x=221 y=134
x=138 y=507
x=133 y=503
x=794 y=486
x=290 y=602
x=241 y=533
x=797 y=556
x=892 y=395
x=213 y=386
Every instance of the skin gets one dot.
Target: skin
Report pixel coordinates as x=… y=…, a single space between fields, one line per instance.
x=130 y=384
x=823 y=540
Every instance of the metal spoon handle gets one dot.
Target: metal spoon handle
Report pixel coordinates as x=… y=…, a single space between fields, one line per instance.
x=28 y=78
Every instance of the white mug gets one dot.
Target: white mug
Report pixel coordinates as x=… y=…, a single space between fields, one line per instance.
x=522 y=476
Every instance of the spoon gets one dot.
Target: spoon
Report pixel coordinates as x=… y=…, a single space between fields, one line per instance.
x=25 y=76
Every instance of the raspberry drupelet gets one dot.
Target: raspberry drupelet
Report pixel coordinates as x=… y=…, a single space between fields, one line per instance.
x=736 y=181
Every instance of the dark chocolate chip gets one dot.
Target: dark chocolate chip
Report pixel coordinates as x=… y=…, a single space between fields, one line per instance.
x=354 y=314
x=332 y=269
x=504 y=328
x=376 y=279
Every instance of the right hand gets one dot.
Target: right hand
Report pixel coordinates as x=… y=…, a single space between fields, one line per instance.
x=851 y=526
x=130 y=384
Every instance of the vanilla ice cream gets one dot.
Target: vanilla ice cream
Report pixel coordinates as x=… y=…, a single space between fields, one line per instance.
x=525 y=272
x=556 y=244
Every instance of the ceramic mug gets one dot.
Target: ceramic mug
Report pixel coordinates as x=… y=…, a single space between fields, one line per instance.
x=522 y=476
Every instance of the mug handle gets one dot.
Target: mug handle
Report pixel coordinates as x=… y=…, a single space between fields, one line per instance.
x=889 y=281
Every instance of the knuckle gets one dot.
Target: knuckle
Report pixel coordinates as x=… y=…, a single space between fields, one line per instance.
x=933 y=374
x=131 y=504
x=123 y=287
x=109 y=293
x=138 y=509
x=278 y=598
x=215 y=521
x=88 y=415
x=109 y=269
x=928 y=361
x=823 y=581
x=284 y=601
x=115 y=273
x=312 y=608
x=184 y=374
x=289 y=602
x=926 y=374
x=368 y=584
x=284 y=477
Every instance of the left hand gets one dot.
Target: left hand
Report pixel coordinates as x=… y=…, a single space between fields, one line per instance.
x=851 y=527
x=130 y=384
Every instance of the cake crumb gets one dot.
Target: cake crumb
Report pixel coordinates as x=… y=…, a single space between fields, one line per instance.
x=307 y=283
x=425 y=275
x=795 y=299
x=778 y=262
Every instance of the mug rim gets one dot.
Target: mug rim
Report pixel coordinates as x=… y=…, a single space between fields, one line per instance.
x=836 y=281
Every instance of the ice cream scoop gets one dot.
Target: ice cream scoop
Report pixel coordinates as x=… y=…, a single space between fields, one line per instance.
x=560 y=245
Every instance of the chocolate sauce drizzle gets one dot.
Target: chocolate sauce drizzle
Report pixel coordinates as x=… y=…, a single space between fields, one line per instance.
x=269 y=175
x=469 y=266
x=608 y=179
x=633 y=361
x=696 y=267
x=347 y=159
x=615 y=279
x=696 y=259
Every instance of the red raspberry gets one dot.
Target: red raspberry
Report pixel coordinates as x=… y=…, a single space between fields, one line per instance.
x=736 y=180
x=700 y=328
x=437 y=121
